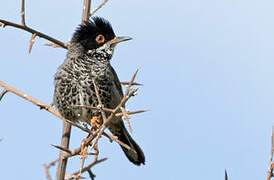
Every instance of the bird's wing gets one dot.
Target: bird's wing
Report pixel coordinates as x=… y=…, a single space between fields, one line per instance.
x=117 y=82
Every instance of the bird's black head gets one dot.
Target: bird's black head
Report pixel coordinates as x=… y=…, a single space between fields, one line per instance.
x=94 y=33
x=98 y=34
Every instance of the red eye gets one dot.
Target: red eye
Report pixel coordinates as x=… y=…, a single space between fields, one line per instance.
x=100 y=39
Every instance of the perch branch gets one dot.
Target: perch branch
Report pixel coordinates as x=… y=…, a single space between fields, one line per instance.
x=8 y=88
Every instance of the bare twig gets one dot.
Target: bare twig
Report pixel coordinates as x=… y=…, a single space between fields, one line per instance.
x=56 y=45
x=34 y=101
x=131 y=112
x=23 y=13
x=24 y=27
x=114 y=138
x=95 y=108
x=86 y=9
x=126 y=117
x=77 y=125
x=83 y=158
x=47 y=166
x=111 y=110
x=32 y=31
x=99 y=101
x=98 y=7
x=270 y=168
x=90 y=166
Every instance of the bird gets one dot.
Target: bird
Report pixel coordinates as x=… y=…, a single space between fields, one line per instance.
x=88 y=60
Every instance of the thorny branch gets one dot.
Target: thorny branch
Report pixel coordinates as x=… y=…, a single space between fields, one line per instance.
x=8 y=88
x=24 y=27
x=32 y=31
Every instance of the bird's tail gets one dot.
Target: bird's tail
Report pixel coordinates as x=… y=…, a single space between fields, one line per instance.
x=135 y=155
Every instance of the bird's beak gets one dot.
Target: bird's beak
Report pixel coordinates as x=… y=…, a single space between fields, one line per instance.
x=117 y=40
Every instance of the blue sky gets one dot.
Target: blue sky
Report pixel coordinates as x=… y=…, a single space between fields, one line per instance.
x=207 y=70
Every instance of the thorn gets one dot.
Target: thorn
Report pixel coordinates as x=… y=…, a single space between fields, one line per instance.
x=126 y=117
x=2 y=25
x=31 y=42
x=3 y=93
x=128 y=83
x=131 y=112
x=133 y=77
x=62 y=148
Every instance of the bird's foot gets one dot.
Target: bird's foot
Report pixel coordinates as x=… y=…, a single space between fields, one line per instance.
x=95 y=121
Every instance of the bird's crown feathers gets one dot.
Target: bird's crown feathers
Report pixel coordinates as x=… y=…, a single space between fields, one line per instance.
x=94 y=33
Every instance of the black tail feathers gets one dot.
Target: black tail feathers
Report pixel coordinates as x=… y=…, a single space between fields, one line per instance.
x=135 y=155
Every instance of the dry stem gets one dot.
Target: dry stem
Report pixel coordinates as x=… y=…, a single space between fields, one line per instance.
x=47 y=166
x=98 y=7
